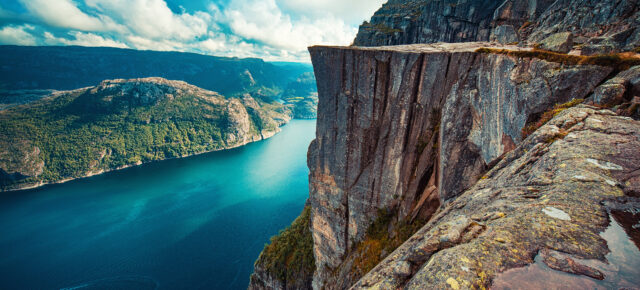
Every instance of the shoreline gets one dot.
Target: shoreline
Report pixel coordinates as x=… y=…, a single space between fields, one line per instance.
x=256 y=138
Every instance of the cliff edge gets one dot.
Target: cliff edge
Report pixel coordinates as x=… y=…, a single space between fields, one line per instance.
x=451 y=165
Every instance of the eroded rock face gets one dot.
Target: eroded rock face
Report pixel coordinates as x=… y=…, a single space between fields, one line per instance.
x=607 y=25
x=556 y=183
x=390 y=119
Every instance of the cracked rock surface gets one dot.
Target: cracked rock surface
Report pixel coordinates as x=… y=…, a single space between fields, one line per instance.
x=547 y=196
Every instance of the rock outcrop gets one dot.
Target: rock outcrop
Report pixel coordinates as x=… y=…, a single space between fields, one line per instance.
x=558 y=183
x=601 y=26
x=398 y=124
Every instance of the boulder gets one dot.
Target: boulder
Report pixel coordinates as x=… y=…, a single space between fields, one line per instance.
x=558 y=42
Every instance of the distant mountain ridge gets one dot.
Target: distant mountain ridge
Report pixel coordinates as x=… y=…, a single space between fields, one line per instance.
x=72 y=67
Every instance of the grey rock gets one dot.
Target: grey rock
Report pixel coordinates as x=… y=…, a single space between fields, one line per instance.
x=430 y=21
x=618 y=89
x=505 y=34
x=391 y=117
x=576 y=208
x=558 y=42
x=600 y=48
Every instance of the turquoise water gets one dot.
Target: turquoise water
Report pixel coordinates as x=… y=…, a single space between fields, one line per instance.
x=192 y=223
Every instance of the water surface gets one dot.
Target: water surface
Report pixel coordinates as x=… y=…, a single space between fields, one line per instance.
x=192 y=223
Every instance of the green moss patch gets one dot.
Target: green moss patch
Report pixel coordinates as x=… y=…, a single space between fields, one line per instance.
x=382 y=238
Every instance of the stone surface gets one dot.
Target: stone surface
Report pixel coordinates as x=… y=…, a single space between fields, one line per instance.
x=538 y=174
x=429 y=21
x=621 y=92
x=505 y=34
x=389 y=118
x=558 y=42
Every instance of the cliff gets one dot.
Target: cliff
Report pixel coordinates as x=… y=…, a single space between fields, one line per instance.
x=407 y=128
x=547 y=201
x=121 y=123
x=598 y=26
x=470 y=164
x=406 y=132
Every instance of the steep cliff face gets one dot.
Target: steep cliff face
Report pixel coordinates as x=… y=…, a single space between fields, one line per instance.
x=406 y=128
x=601 y=26
x=406 y=135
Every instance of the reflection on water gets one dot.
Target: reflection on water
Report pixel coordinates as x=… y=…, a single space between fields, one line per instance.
x=630 y=222
x=622 y=271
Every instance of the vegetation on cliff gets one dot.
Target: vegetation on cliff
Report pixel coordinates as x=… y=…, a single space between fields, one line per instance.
x=289 y=255
x=383 y=237
x=547 y=116
x=121 y=123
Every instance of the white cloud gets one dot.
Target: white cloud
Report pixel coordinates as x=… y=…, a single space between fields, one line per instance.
x=268 y=29
x=17 y=35
x=82 y=39
x=153 y=18
x=65 y=14
x=351 y=11
x=262 y=20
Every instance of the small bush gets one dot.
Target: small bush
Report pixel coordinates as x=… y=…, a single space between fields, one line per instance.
x=289 y=256
x=383 y=237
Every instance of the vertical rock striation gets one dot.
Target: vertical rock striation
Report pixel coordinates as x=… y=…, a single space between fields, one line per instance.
x=398 y=126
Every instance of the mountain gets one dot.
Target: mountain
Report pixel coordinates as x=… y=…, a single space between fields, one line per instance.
x=72 y=67
x=120 y=123
x=444 y=161
x=302 y=95
x=36 y=68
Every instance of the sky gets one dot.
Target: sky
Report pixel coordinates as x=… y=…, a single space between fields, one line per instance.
x=274 y=30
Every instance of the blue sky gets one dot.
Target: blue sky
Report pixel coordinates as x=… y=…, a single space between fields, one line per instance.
x=275 y=30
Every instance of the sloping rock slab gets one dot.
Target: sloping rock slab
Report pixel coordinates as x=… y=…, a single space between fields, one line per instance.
x=547 y=196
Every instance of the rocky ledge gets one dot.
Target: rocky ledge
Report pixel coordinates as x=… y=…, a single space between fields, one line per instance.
x=551 y=196
x=596 y=26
